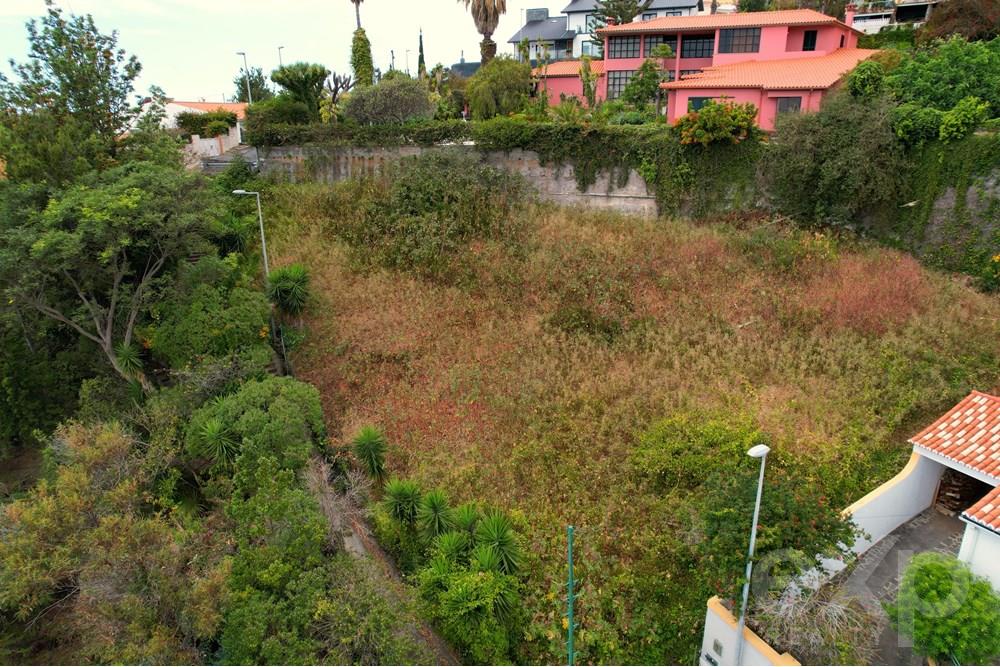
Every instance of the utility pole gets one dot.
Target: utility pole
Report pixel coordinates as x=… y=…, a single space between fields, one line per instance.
x=280 y=64
x=569 y=599
x=246 y=75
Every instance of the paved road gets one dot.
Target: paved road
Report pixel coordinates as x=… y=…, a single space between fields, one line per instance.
x=875 y=578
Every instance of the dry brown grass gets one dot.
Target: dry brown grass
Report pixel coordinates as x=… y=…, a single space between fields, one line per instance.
x=835 y=358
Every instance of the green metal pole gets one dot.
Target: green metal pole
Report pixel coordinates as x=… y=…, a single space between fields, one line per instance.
x=571 y=628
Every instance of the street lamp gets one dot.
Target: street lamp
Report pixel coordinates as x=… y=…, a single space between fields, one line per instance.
x=757 y=452
x=260 y=219
x=246 y=75
x=280 y=64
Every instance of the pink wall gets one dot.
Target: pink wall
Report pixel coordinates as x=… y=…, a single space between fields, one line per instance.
x=569 y=86
x=765 y=101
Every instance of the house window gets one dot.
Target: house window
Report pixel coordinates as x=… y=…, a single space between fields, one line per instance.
x=698 y=46
x=617 y=82
x=740 y=40
x=623 y=47
x=809 y=41
x=685 y=72
x=592 y=23
x=696 y=103
x=592 y=49
x=673 y=12
x=654 y=41
x=841 y=41
x=670 y=75
x=649 y=16
x=788 y=104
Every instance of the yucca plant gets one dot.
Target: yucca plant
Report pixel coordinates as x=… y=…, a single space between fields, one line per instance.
x=434 y=516
x=465 y=518
x=495 y=530
x=401 y=501
x=128 y=359
x=485 y=558
x=288 y=288
x=216 y=443
x=453 y=545
x=369 y=447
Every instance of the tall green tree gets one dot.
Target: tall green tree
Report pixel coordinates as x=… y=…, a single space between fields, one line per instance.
x=258 y=85
x=486 y=15
x=500 y=87
x=303 y=82
x=94 y=258
x=361 y=59
x=421 y=63
x=67 y=106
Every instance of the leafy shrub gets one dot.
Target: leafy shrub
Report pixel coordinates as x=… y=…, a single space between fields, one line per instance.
x=947 y=72
x=916 y=124
x=499 y=88
x=719 y=122
x=394 y=100
x=866 y=80
x=568 y=111
x=434 y=515
x=288 y=288
x=963 y=118
x=948 y=612
x=685 y=450
x=369 y=447
x=203 y=124
x=831 y=165
x=402 y=501
x=431 y=207
x=277 y=417
x=280 y=110
x=495 y=531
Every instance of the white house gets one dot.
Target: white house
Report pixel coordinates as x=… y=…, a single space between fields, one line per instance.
x=966 y=440
x=203 y=147
x=580 y=20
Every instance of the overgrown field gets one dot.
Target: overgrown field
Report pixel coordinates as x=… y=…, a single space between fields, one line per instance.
x=585 y=368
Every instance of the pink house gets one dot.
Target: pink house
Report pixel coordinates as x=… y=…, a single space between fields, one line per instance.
x=782 y=61
x=563 y=78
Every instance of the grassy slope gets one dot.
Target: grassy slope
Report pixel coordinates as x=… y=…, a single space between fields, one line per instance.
x=837 y=351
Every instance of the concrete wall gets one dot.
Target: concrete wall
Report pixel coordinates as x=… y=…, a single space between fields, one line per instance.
x=202 y=147
x=897 y=501
x=981 y=550
x=718 y=643
x=556 y=184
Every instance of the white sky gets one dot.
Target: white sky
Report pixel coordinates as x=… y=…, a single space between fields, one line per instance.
x=188 y=47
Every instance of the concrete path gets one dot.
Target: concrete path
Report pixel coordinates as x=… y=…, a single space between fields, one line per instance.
x=875 y=578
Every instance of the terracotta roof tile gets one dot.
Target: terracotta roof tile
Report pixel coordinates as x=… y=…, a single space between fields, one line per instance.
x=986 y=512
x=239 y=108
x=714 y=21
x=569 y=68
x=969 y=433
x=818 y=72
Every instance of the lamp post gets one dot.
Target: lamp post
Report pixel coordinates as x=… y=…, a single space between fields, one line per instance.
x=757 y=452
x=246 y=75
x=408 y=62
x=280 y=64
x=260 y=220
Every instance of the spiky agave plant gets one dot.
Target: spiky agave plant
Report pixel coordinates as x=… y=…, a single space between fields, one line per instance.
x=486 y=15
x=288 y=288
x=495 y=530
x=216 y=443
x=434 y=514
x=453 y=545
x=369 y=447
x=485 y=558
x=465 y=517
x=401 y=501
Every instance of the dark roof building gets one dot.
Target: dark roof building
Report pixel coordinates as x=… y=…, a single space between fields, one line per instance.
x=548 y=29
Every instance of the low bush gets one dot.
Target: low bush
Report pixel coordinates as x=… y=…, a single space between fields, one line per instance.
x=963 y=118
x=949 y=613
x=277 y=111
x=207 y=124
x=719 y=122
x=396 y=100
x=916 y=124
x=288 y=288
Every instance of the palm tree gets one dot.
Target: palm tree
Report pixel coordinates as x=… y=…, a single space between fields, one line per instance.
x=486 y=14
x=357 y=11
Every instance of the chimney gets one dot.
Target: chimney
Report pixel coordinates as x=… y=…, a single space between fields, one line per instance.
x=849 y=12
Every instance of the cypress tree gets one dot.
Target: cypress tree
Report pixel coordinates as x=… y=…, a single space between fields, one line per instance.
x=421 y=63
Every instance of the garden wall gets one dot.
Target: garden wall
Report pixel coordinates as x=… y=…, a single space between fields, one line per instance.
x=558 y=184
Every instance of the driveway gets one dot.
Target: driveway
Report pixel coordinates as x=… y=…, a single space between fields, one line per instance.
x=875 y=577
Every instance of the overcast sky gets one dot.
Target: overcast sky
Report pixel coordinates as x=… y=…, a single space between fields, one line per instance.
x=188 y=47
